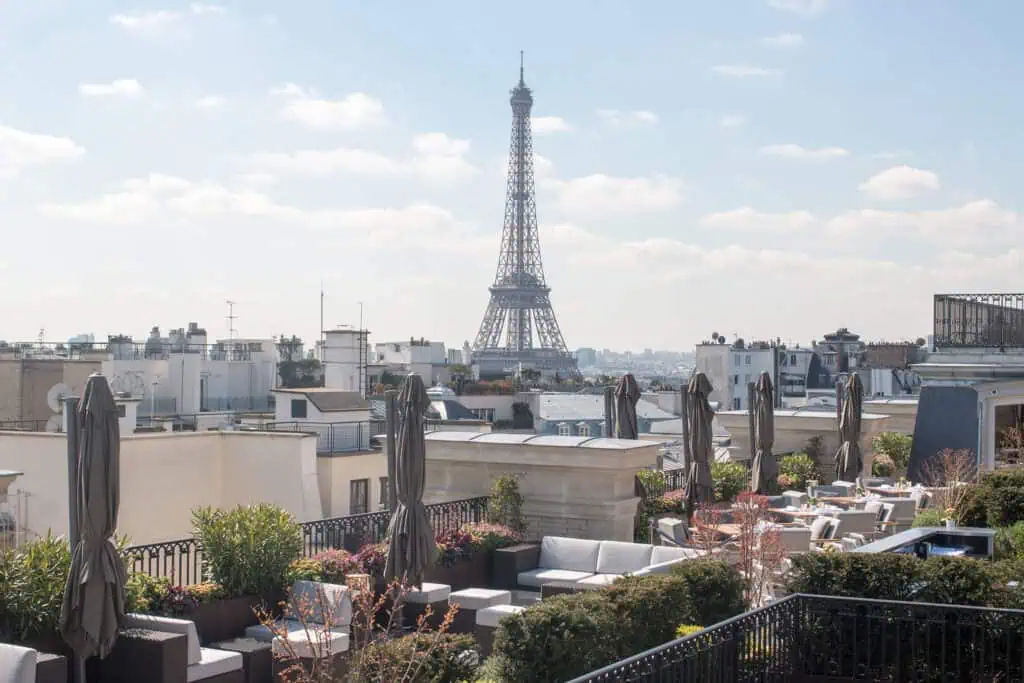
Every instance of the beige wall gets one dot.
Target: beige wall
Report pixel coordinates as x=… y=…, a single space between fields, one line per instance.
x=337 y=471
x=24 y=384
x=902 y=413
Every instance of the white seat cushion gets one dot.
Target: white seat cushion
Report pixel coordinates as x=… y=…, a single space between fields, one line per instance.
x=573 y=554
x=664 y=553
x=479 y=598
x=490 y=616
x=213 y=663
x=264 y=634
x=599 y=580
x=617 y=557
x=428 y=593
x=538 y=577
x=17 y=664
x=314 y=597
x=313 y=644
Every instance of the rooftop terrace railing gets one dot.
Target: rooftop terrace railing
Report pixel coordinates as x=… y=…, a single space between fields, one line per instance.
x=817 y=638
x=979 y=321
x=182 y=560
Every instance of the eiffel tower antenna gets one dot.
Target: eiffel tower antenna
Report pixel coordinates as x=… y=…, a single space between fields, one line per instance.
x=519 y=329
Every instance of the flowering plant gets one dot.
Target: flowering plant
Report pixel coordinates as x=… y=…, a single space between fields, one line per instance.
x=371 y=559
x=159 y=596
x=787 y=482
x=452 y=546
x=335 y=564
x=487 y=537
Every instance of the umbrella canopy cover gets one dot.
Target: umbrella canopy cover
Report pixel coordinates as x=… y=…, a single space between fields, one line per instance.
x=700 y=488
x=93 y=607
x=627 y=393
x=764 y=469
x=411 y=548
x=849 y=459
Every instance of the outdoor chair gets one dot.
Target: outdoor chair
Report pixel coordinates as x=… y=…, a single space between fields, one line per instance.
x=863 y=522
x=898 y=514
x=17 y=664
x=310 y=598
x=202 y=663
x=796 y=499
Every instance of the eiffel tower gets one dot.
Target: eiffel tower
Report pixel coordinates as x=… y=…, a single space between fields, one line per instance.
x=520 y=305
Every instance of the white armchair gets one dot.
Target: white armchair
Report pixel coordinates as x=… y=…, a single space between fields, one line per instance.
x=17 y=664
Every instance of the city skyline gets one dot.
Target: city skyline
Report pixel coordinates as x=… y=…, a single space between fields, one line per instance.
x=787 y=169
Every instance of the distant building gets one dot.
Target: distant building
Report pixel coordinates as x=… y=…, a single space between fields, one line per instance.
x=426 y=358
x=583 y=414
x=731 y=367
x=586 y=357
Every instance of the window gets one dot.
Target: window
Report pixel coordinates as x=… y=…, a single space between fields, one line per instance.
x=736 y=378
x=483 y=413
x=299 y=408
x=564 y=429
x=736 y=404
x=736 y=360
x=584 y=429
x=383 y=493
x=359 y=496
x=747 y=359
x=746 y=378
x=792 y=359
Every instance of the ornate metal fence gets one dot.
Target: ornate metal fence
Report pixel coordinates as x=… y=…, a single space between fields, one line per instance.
x=182 y=560
x=979 y=320
x=816 y=638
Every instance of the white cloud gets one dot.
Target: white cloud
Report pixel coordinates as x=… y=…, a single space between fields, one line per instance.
x=355 y=110
x=435 y=157
x=747 y=219
x=900 y=182
x=161 y=23
x=210 y=102
x=122 y=87
x=981 y=222
x=20 y=149
x=784 y=40
x=732 y=121
x=545 y=125
x=791 y=151
x=635 y=117
x=804 y=7
x=599 y=194
x=744 y=71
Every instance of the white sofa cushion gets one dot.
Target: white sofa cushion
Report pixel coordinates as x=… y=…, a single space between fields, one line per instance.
x=665 y=553
x=600 y=580
x=428 y=593
x=617 y=557
x=479 y=598
x=315 y=643
x=17 y=664
x=315 y=596
x=538 y=577
x=152 y=622
x=573 y=554
x=213 y=663
x=491 y=616
x=265 y=634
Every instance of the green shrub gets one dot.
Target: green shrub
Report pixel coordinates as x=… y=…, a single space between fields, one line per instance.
x=882 y=466
x=929 y=517
x=649 y=609
x=32 y=580
x=958 y=581
x=717 y=589
x=144 y=593
x=894 y=445
x=424 y=657
x=730 y=480
x=798 y=468
x=304 y=569
x=557 y=639
x=505 y=505
x=997 y=500
x=248 y=550
x=1009 y=542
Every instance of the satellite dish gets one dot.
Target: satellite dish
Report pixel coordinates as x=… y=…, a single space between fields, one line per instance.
x=54 y=424
x=56 y=395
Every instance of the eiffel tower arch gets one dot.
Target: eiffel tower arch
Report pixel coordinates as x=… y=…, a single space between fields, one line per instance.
x=519 y=329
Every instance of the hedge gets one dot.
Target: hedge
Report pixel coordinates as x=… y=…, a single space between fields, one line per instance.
x=996 y=501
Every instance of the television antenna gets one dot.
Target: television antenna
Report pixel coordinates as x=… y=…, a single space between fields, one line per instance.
x=231 y=317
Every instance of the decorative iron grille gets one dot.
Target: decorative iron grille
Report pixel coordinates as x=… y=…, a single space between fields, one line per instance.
x=979 y=320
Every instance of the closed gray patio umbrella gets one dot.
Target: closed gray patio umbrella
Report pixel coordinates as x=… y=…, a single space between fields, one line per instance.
x=849 y=459
x=627 y=393
x=700 y=488
x=411 y=548
x=93 y=607
x=764 y=469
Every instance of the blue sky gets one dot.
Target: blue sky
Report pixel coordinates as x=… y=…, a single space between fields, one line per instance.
x=770 y=168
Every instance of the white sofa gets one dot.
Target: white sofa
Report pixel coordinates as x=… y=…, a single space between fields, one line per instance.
x=17 y=664
x=204 y=663
x=598 y=563
x=328 y=632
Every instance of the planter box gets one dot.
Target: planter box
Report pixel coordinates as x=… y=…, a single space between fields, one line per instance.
x=474 y=572
x=226 y=619
x=51 y=668
x=142 y=655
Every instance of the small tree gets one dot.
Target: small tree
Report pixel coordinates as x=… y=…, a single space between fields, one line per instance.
x=707 y=531
x=895 y=445
x=759 y=545
x=505 y=505
x=953 y=474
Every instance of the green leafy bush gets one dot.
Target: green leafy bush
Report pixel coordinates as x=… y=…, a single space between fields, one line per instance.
x=717 y=588
x=896 y=447
x=426 y=657
x=882 y=466
x=248 y=550
x=505 y=505
x=557 y=639
x=997 y=500
x=32 y=580
x=730 y=480
x=1009 y=542
x=650 y=608
x=929 y=517
x=144 y=593
x=798 y=468
x=305 y=569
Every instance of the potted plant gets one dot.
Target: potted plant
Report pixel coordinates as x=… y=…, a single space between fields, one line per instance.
x=950 y=518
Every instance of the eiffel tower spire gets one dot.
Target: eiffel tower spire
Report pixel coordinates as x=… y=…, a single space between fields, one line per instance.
x=519 y=329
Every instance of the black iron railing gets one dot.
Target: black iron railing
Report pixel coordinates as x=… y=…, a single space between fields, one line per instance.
x=809 y=637
x=979 y=320
x=182 y=560
x=333 y=437
x=650 y=488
